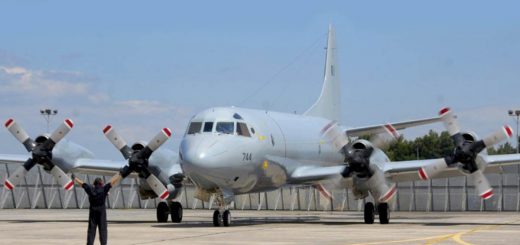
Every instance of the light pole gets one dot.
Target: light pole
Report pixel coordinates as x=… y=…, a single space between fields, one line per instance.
x=47 y=113
x=516 y=115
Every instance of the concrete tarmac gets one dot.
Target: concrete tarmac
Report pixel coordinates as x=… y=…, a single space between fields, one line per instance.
x=138 y=226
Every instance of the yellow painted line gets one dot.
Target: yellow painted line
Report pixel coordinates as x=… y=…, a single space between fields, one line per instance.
x=405 y=240
x=456 y=237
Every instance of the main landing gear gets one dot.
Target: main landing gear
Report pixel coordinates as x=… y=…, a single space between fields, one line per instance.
x=171 y=208
x=221 y=218
x=382 y=210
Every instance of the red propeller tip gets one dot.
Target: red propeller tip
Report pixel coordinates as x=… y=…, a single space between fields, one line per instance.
x=165 y=195
x=487 y=194
x=69 y=185
x=392 y=130
x=509 y=131
x=8 y=185
x=422 y=174
x=327 y=127
x=9 y=122
x=167 y=132
x=69 y=123
x=444 y=111
x=107 y=128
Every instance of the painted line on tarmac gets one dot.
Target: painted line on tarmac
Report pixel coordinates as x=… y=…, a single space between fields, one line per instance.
x=456 y=237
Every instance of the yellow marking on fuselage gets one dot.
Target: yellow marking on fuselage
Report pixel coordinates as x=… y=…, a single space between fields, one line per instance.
x=265 y=165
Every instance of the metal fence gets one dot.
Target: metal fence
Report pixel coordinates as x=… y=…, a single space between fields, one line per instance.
x=40 y=190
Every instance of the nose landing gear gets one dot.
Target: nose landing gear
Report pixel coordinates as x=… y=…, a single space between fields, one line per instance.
x=174 y=209
x=383 y=212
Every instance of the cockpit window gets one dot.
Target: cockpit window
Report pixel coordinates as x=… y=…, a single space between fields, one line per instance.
x=242 y=130
x=225 y=127
x=237 y=116
x=208 y=126
x=194 y=127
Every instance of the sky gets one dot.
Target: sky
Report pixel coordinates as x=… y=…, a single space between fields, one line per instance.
x=142 y=65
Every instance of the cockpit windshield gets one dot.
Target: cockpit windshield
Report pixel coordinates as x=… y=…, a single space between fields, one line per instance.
x=242 y=130
x=231 y=126
x=194 y=127
x=225 y=127
x=208 y=127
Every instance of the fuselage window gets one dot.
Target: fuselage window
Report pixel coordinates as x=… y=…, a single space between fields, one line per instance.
x=242 y=130
x=225 y=127
x=208 y=126
x=194 y=127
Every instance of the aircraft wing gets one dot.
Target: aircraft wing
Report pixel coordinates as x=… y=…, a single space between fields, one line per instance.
x=13 y=159
x=376 y=129
x=82 y=165
x=408 y=170
x=302 y=173
x=97 y=166
x=305 y=172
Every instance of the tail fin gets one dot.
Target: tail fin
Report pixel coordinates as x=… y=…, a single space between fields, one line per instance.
x=328 y=104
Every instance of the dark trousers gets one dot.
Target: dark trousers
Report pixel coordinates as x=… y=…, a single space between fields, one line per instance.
x=97 y=217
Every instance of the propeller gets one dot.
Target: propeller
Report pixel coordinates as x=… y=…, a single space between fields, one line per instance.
x=138 y=158
x=465 y=154
x=357 y=157
x=41 y=153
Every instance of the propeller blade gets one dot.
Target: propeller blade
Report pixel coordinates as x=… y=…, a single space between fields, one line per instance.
x=390 y=192
x=382 y=140
x=18 y=174
x=19 y=133
x=379 y=188
x=157 y=186
x=504 y=133
x=59 y=133
x=117 y=141
x=484 y=189
x=62 y=178
x=333 y=134
x=430 y=170
x=323 y=191
x=159 y=139
x=450 y=121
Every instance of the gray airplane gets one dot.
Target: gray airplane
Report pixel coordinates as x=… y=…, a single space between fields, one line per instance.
x=228 y=151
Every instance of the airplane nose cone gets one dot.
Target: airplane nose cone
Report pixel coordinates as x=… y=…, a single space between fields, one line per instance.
x=201 y=152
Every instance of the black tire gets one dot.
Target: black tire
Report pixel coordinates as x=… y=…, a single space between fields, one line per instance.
x=162 y=212
x=384 y=213
x=217 y=218
x=176 y=212
x=369 y=213
x=226 y=218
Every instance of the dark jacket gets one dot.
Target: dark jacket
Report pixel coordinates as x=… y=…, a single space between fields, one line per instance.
x=97 y=195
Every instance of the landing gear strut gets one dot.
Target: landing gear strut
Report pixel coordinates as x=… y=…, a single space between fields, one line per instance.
x=221 y=218
x=164 y=210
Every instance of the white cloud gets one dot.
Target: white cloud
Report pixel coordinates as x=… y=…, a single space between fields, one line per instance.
x=41 y=84
x=23 y=91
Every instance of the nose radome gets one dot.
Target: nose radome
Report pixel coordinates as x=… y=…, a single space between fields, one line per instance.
x=202 y=153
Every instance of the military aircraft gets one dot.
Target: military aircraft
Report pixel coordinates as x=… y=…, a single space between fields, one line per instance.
x=228 y=151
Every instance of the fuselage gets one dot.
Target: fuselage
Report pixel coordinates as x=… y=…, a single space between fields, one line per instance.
x=229 y=148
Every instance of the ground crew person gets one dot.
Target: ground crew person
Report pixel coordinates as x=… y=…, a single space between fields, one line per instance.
x=97 y=217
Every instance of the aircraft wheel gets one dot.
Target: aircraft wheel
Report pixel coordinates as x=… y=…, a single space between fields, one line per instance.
x=384 y=213
x=176 y=212
x=226 y=218
x=162 y=212
x=369 y=213
x=217 y=218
